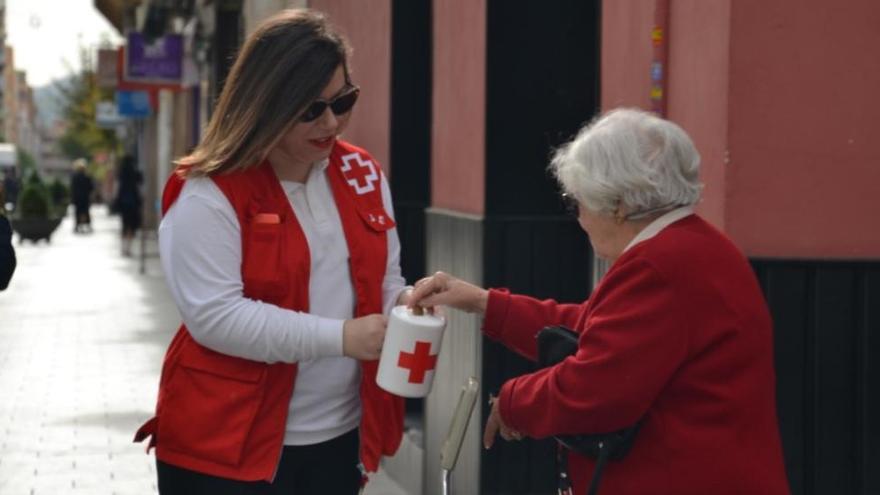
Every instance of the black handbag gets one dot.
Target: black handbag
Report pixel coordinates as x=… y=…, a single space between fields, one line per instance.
x=554 y=345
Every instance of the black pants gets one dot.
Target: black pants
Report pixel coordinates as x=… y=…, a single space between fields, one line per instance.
x=324 y=468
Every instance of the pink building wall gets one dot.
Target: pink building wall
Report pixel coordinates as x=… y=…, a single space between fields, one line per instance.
x=367 y=26
x=804 y=177
x=697 y=99
x=458 y=124
x=458 y=93
x=779 y=98
x=626 y=53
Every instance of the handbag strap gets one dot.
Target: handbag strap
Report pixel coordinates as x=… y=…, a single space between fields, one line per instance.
x=563 y=483
x=563 y=486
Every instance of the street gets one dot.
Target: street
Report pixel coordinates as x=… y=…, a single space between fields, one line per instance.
x=82 y=335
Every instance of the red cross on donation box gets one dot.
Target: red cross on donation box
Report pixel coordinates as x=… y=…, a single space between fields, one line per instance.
x=410 y=353
x=418 y=362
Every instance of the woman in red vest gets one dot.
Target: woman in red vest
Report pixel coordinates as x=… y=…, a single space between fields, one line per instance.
x=280 y=250
x=676 y=336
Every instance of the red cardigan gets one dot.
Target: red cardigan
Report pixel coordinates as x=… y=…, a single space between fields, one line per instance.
x=677 y=333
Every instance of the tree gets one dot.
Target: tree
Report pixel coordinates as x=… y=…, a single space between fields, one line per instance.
x=80 y=95
x=26 y=162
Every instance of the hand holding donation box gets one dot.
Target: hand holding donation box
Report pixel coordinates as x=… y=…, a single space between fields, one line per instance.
x=409 y=354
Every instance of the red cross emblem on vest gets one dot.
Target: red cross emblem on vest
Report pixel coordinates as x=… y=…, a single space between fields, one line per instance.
x=418 y=362
x=359 y=173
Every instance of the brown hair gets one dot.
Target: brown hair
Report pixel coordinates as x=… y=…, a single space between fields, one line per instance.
x=282 y=67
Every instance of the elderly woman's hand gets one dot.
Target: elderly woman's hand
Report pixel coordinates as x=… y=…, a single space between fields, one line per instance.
x=442 y=288
x=495 y=425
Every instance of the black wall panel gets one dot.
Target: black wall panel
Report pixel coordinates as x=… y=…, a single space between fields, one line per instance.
x=826 y=318
x=542 y=84
x=410 y=135
x=546 y=257
x=228 y=37
x=411 y=128
x=869 y=383
x=786 y=290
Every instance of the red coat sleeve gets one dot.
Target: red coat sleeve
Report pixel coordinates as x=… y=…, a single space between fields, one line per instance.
x=633 y=339
x=515 y=320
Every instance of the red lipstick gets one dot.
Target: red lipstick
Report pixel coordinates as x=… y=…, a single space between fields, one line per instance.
x=323 y=143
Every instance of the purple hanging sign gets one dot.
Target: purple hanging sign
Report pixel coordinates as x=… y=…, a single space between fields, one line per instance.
x=160 y=61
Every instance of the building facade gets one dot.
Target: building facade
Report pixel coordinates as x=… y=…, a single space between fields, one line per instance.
x=463 y=101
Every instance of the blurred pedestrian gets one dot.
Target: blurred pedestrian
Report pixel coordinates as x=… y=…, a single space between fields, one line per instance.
x=7 y=252
x=280 y=250
x=128 y=202
x=11 y=188
x=81 y=186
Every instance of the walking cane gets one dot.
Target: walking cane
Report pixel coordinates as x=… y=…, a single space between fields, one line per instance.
x=457 y=429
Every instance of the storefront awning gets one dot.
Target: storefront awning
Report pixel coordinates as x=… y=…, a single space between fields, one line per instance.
x=114 y=11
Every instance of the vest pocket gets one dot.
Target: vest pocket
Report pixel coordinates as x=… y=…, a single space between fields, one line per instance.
x=211 y=402
x=261 y=274
x=376 y=219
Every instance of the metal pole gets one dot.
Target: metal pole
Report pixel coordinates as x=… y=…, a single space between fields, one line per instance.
x=141 y=158
x=445 y=481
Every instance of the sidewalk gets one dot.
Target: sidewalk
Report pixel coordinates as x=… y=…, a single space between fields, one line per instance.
x=82 y=335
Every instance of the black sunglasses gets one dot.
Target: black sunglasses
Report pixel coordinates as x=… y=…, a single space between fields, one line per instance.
x=339 y=105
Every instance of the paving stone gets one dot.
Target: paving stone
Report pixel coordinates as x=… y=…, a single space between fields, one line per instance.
x=82 y=333
x=82 y=336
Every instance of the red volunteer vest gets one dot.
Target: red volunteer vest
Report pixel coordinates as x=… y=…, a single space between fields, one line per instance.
x=226 y=416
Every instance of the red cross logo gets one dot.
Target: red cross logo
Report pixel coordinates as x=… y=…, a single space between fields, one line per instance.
x=419 y=362
x=360 y=174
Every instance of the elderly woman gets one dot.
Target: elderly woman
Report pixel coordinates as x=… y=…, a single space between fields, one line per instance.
x=676 y=335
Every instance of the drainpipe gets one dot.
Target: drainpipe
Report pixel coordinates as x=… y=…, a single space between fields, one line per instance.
x=660 y=61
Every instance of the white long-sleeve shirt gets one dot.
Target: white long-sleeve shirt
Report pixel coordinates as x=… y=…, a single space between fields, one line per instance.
x=200 y=249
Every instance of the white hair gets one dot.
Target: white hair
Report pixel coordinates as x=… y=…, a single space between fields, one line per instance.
x=630 y=159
